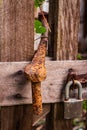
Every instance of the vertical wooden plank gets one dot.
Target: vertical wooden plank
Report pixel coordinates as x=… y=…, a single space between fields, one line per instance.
x=65 y=18
x=68 y=28
x=16 y=44
x=16 y=30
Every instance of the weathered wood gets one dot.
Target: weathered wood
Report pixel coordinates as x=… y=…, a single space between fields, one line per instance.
x=16 y=44
x=15 y=88
x=66 y=39
x=16 y=27
x=64 y=19
x=64 y=23
x=46 y=110
x=16 y=117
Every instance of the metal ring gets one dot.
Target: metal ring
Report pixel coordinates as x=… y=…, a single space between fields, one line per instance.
x=67 y=88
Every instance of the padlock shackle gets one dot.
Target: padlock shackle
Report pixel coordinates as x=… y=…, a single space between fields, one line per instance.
x=67 y=88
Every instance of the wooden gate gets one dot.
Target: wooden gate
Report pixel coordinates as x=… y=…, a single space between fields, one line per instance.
x=17 y=48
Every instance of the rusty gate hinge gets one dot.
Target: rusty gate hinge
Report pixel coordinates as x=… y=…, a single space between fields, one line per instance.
x=36 y=72
x=82 y=78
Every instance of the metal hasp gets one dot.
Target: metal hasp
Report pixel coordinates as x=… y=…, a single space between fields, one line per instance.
x=82 y=78
x=73 y=106
x=36 y=72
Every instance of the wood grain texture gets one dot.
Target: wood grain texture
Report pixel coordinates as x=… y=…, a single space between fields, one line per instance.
x=16 y=27
x=68 y=28
x=64 y=22
x=16 y=44
x=15 y=89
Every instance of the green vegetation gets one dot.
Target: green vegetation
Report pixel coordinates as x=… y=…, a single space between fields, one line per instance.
x=85 y=105
x=38 y=3
x=39 y=27
x=79 y=57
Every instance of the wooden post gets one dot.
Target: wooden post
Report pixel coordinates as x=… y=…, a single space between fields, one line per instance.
x=16 y=44
x=64 y=40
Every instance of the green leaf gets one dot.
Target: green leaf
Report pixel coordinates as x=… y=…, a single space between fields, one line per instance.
x=85 y=105
x=39 y=28
x=38 y=3
x=37 y=23
x=79 y=57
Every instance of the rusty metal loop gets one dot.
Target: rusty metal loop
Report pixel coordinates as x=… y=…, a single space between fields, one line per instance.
x=67 y=88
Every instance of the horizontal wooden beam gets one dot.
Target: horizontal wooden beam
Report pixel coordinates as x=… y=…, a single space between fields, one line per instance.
x=15 y=89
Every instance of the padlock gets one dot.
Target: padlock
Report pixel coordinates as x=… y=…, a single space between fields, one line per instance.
x=73 y=106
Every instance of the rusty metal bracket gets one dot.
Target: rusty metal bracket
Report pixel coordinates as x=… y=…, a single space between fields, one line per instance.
x=36 y=73
x=82 y=78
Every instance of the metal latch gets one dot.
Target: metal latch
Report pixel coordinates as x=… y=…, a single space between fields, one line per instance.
x=82 y=78
x=36 y=72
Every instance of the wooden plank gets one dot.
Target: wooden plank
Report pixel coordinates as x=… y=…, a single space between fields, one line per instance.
x=64 y=23
x=15 y=88
x=16 y=27
x=66 y=28
x=16 y=44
